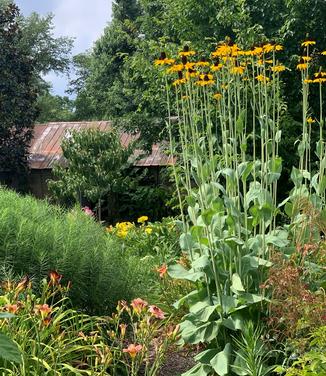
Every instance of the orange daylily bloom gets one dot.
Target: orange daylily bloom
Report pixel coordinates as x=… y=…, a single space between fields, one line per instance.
x=43 y=309
x=156 y=312
x=162 y=270
x=139 y=305
x=133 y=350
x=55 y=278
x=12 y=308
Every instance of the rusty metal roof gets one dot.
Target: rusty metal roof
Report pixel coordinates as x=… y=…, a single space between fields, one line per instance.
x=45 y=149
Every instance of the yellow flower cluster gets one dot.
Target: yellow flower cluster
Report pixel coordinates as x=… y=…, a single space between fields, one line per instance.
x=123 y=228
x=229 y=60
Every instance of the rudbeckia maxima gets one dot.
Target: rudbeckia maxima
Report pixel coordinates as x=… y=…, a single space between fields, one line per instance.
x=302 y=65
x=163 y=60
x=278 y=68
x=238 y=70
x=186 y=52
x=262 y=78
x=307 y=43
x=217 y=96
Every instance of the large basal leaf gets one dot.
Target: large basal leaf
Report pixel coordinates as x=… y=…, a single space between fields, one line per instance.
x=179 y=272
x=9 y=350
x=221 y=361
x=198 y=370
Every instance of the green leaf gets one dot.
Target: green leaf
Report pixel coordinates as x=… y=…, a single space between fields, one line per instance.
x=9 y=350
x=206 y=356
x=186 y=242
x=198 y=370
x=236 y=283
x=179 y=272
x=221 y=361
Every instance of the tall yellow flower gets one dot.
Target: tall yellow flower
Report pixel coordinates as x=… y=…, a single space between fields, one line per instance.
x=237 y=70
x=307 y=43
x=163 y=60
x=186 y=52
x=262 y=78
x=302 y=65
x=278 y=68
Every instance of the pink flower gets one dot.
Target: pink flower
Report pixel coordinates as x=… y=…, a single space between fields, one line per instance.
x=88 y=211
x=139 y=305
x=157 y=312
x=133 y=350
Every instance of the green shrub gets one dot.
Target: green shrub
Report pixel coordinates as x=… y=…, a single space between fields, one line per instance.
x=36 y=237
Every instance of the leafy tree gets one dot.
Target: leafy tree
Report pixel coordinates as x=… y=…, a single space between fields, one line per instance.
x=18 y=92
x=97 y=167
x=55 y=108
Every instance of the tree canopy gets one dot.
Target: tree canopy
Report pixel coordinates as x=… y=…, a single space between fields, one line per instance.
x=18 y=92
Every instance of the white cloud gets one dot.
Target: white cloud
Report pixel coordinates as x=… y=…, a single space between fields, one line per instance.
x=83 y=19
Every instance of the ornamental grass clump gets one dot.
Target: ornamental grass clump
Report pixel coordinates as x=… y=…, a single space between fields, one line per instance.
x=228 y=108
x=36 y=237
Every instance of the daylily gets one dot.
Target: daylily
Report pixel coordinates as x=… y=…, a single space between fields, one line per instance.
x=156 y=312
x=139 y=305
x=162 y=270
x=55 y=278
x=43 y=309
x=133 y=350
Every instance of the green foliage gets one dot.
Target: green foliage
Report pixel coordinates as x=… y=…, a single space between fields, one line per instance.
x=36 y=237
x=97 y=166
x=17 y=93
x=54 y=108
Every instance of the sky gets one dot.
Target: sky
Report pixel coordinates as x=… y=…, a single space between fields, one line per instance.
x=82 y=19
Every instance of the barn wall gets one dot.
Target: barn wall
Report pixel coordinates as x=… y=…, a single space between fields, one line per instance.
x=37 y=182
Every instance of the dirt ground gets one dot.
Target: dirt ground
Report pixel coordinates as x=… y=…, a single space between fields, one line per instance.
x=177 y=362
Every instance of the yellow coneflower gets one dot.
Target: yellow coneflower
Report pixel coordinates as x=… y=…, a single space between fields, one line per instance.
x=191 y=73
x=226 y=50
x=308 y=81
x=257 y=51
x=205 y=80
x=237 y=70
x=278 y=68
x=262 y=62
x=163 y=60
x=307 y=43
x=306 y=58
x=224 y=87
x=202 y=63
x=179 y=81
x=323 y=53
x=175 y=68
x=320 y=78
x=206 y=76
x=216 y=67
x=302 y=65
x=278 y=47
x=269 y=47
x=262 y=78
x=189 y=65
x=187 y=52
x=310 y=120
x=217 y=96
